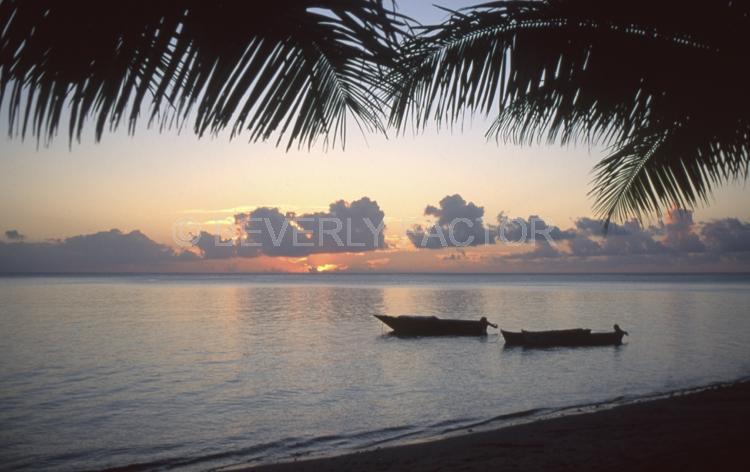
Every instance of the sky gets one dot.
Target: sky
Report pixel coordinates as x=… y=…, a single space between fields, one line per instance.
x=154 y=189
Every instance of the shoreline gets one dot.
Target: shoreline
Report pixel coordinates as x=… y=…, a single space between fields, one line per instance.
x=687 y=429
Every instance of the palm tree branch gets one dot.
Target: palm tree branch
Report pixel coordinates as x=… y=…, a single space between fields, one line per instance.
x=624 y=75
x=442 y=86
x=675 y=167
x=192 y=56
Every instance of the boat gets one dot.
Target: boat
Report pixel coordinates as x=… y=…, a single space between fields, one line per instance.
x=564 y=337
x=520 y=338
x=412 y=325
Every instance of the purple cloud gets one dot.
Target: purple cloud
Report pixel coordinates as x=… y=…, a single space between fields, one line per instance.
x=346 y=227
x=106 y=251
x=459 y=224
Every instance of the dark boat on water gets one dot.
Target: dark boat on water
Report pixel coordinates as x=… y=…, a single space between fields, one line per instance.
x=565 y=337
x=407 y=325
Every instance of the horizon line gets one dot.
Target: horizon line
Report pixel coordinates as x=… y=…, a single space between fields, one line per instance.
x=345 y=273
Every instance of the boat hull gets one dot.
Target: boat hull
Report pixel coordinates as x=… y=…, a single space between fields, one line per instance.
x=432 y=326
x=568 y=337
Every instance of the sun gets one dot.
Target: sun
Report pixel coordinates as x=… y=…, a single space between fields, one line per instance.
x=323 y=268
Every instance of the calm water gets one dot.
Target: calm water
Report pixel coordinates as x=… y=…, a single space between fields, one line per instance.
x=200 y=372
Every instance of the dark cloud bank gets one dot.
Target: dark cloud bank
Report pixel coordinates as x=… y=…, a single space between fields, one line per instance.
x=679 y=244
x=346 y=227
x=727 y=239
x=106 y=251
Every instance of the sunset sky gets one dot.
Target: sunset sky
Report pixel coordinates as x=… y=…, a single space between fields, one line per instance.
x=153 y=183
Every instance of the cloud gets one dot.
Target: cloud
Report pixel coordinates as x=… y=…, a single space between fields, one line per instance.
x=361 y=227
x=453 y=207
x=628 y=239
x=680 y=233
x=459 y=224
x=346 y=227
x=679 y=243
x=14 y=235
x=535 y=231
x=542 y=250
x=531 y=229
x=106 y=251
x=214 y=246
x=729 y=235
x=584 y=246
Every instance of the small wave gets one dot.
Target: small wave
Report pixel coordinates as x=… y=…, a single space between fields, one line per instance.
x=497 y=419
x=248 y=454
x=295 y=446
x=451 y=422
x=390 y=439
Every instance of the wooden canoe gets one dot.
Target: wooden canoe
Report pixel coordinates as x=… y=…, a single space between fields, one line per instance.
x=565 y=337
x=433 y=326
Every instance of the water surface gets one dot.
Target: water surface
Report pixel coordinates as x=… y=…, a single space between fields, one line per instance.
x=197 y=372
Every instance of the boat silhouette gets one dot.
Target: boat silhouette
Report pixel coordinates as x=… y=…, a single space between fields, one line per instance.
x=564 y=337
x=412 y=325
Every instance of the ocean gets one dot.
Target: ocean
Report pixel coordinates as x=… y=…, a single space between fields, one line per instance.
x=200 y=372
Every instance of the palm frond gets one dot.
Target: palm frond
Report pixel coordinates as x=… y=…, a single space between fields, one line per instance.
x=665 y=169
x=293 y=69
x=625 y=74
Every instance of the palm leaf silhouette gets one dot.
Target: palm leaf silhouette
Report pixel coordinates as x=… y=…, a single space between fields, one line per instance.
x=295 y=68
x=663 y=84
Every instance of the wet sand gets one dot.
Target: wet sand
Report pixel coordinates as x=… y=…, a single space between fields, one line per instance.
x=698 y=431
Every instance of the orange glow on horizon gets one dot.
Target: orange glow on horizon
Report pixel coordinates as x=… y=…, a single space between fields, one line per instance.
x=327 y=268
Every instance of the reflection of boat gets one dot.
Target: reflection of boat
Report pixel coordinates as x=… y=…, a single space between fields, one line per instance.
x=433 y=326
x=565 y=337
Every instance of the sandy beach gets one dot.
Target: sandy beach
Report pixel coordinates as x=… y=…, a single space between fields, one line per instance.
x=696 y=431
